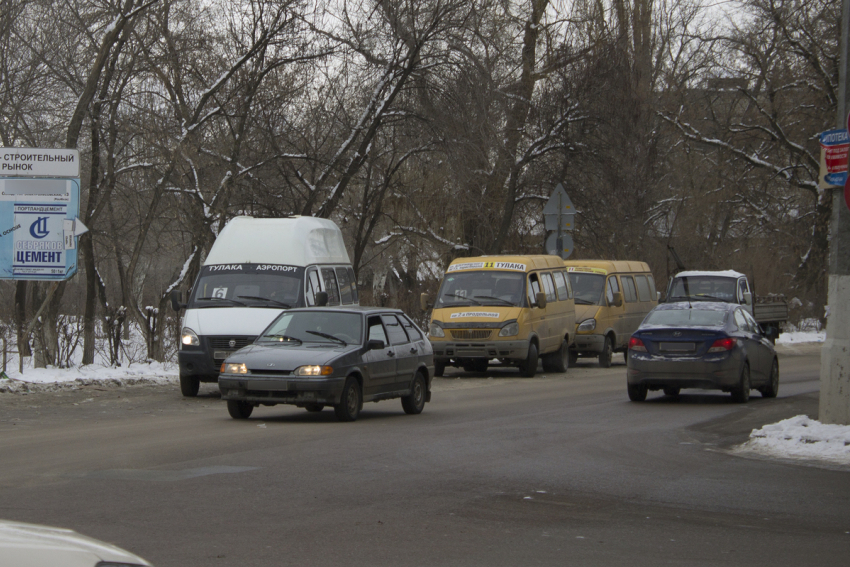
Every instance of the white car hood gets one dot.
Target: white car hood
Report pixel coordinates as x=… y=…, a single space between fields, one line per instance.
x=36 y=546
x=229 y=321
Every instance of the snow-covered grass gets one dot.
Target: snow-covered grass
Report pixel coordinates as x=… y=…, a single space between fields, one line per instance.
x=800 y=438
x=46 y=379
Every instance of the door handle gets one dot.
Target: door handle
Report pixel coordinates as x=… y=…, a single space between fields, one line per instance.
x=390 y=353
x=413 y=350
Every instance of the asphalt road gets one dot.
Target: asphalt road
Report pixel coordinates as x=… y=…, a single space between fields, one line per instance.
x=498 y=470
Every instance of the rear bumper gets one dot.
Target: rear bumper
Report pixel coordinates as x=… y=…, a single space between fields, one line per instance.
x=281 y=389
x=719 y=372
x=486 y=350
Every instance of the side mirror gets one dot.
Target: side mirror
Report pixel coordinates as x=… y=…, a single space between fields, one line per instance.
x=748 y=298
x=540 y=298
x=321 y=298
x=375 y=344
x=177 y=300
x=658 y=296
x=618 y=299
x=424 y=302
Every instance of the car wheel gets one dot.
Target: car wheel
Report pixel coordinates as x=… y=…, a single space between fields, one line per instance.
x=637 y=392
x=741 y=394
x=559 y=360
x=439 y=368
x=189 y=385
x=239 y=410
x=528 y=367
x=772 y=387
x=314 y=407
x=607 y=353
x=415 y=402
x=671 y=391
x=351 y=401
x=477 y=366
x=573 y=358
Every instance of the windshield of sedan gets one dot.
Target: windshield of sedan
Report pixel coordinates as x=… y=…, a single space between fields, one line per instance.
x=490 y=287
x=686 y=318
x=707 y=288
x=330 y=327
x=248 y=285
x=587 y=288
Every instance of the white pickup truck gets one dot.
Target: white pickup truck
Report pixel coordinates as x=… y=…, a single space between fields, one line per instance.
x=728 y=286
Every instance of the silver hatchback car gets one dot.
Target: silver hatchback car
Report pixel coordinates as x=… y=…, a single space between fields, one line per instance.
x=704 y=345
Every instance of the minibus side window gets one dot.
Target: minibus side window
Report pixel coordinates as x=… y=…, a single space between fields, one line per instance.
x=549 y=287
x=353 y=281
x=533 y=289
x=643 y=288
x=312 y=286
x=652 y=289
x=344 y=285
x=612 y=288
x=629 y=289
x=561 y=284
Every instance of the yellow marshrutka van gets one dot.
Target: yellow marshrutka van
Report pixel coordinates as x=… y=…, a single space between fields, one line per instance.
x=611 y=298
x=512 y=308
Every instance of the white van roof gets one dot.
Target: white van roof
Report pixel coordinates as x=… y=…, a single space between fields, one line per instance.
x=705 y=273
x=294 y=241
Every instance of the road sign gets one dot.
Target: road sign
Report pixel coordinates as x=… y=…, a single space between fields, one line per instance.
x=551 y=222
x=563 y=248
x=559 y=202
x=38 y=228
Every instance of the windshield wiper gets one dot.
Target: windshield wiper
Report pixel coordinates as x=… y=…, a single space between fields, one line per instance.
x=284 y=337
x=220 y=299
x=258 y=298
x=511 y=303
x=462 y=297
x=581 y=301
x=327 y=336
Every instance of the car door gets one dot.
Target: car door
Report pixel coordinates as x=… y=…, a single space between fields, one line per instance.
x=536 y=316
x=405 y=353
x=381 y=363
x=762 y=345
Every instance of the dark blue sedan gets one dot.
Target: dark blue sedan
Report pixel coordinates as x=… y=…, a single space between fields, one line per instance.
x=714 y=346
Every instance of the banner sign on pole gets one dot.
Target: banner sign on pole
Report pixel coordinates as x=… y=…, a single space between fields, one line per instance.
x=835 y=144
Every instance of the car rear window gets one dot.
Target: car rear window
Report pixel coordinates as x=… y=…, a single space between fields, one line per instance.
x=686 y=318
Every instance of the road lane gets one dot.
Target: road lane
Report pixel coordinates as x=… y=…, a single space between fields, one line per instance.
x=498 y=470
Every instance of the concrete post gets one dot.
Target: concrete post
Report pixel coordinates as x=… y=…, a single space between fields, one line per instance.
x=835 y=356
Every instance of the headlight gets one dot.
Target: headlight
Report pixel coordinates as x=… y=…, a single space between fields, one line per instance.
x=436 y=331
x=587 y=325
x=314 y=370
x=510 y=330
x=231 y=368
x=188 y=337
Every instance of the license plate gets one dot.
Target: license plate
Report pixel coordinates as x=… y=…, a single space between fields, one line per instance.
x=222 y=354
x=677 y=347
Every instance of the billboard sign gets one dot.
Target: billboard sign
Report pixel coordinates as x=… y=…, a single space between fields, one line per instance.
x=39 y=162
x=835 y=144
x=38 y=228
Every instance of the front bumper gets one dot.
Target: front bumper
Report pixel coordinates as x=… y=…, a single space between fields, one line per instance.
x=588 y=344
x=717 y=372
x=295 y=390
x=199 y=364
x=486 y=350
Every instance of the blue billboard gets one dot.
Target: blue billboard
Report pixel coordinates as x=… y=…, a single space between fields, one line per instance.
x=38 y=228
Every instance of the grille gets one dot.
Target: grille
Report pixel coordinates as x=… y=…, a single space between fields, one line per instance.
x=224 y=342
x=471 y=334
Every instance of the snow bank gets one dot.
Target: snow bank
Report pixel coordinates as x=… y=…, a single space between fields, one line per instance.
x=45 y=379
x=800 y=438
x=801 y=337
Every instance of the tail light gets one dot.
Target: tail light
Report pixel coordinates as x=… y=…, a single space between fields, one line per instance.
x=722 y=345
x=636 y=344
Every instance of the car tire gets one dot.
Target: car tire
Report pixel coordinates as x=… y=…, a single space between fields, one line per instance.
x=414 y=403
x=573 y=358
x=607 y=353
x=528 y=367
x=558 y=361
x=637 y=392
x=439 y=368
x=189 y=385
x=348 y=408
x=741 y=394
x=672 y=391
x=314 y=407
x=771 y=389
x=239 y=410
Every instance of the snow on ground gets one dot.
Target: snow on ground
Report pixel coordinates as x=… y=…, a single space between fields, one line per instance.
x=45 y=379
x=801 y=337
x=800 y=438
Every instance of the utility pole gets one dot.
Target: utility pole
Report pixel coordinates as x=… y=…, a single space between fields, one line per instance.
x=835 y=356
